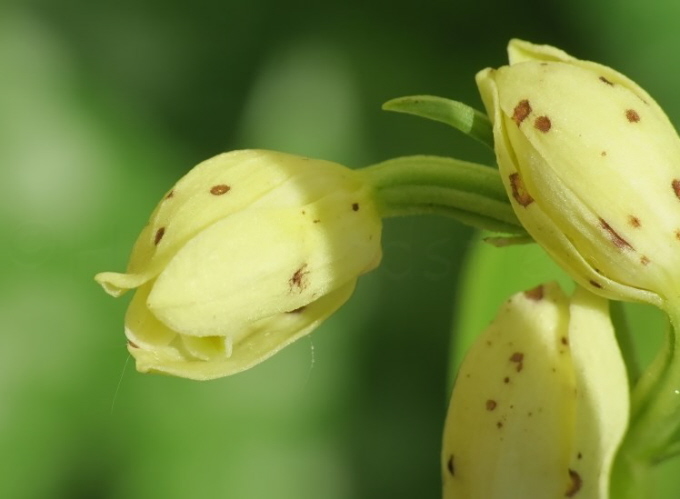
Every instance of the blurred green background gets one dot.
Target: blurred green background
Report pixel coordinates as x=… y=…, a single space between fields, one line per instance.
x=103 y=105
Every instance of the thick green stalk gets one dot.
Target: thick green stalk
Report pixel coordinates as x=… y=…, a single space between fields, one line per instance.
x=655 y=419
x=624 y=336
x=468 y=192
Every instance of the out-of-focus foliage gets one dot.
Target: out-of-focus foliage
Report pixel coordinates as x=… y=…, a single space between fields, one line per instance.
x=103 y=105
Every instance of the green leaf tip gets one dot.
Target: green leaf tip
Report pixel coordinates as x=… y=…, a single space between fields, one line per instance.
x=453 y=113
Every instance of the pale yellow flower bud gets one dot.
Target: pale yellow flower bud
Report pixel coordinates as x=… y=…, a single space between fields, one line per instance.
x=540 y=403
x=592 y=166
x=248 y=252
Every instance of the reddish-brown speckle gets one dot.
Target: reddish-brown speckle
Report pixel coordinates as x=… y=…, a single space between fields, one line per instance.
x=451 y=466
x=519 y=192
x=132 y=344
x=634 y=221
x=159 y=235
x=564 y=340
x=605 y=80
x=491 y=405
x=355 y=206
x=535 y=294
x=676 y=187
x=170 y=194
x=299 y=280
x=575 y=485
x=542 y=124
x=506 y=380
x=644 y=260
x=518 y=358
x=218 y=190
x=521 y=111
x=632 y=116
x=618 y=241
x=499 y=425
x=595 y=284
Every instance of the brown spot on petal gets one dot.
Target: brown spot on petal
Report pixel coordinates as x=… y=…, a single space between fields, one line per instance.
x=506 y=380
x=170 y=194
x=535 y=294
x=218 y=190
x=521 y=111
x=632 y=115
x=603 y=153
x=542 y=124
x=644 y=260
x=634 y=221
x=299 y=279
x=676 y=187
x=519 y=192
x=132 y=344
x=605 y=80
x=355 y=206
x=159 y=235
x=575 y=485
x=451 y=466
x=595 y=284
x=518 y=358
x=491 y=405
x=564 y=340
x=499 y=425
x=618 y=241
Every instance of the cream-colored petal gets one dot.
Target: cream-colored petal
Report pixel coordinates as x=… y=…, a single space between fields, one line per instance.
x=261 y=262
x=142 y=329
x=521 y=51
x=603 y=404
x=533 y=195
x=260 y=341
x=587 y=169
x=510 y=422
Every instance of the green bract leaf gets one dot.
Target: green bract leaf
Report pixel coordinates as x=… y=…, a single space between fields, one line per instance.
x=453 y=113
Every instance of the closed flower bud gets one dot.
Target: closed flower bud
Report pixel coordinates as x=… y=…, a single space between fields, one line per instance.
x=248 y=252
x=540 y=403
x=592 y=166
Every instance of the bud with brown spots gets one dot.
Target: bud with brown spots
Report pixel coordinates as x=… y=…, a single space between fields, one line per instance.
x=248 y=252
x=592 y=166
x=540 y=403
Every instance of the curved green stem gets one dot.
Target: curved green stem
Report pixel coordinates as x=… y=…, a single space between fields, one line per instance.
x=624 y=337
x=655 y=411
x=655 y=419
x=631 y=479
x=471 y=193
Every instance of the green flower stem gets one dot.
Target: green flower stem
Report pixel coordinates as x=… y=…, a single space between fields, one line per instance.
x=624 y=336
x=655 y=419
x=468 y=192
x=631 y=479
